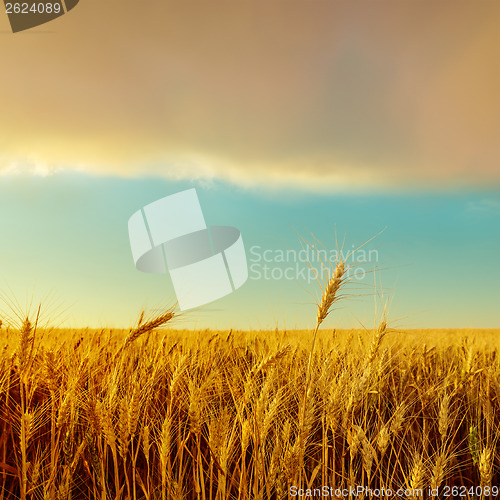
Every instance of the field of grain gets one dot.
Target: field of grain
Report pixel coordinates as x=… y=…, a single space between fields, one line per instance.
x=158 y=413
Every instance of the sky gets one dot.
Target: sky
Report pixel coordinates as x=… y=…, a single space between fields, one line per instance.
x=324 y=120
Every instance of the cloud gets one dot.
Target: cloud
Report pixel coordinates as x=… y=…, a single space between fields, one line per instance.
x=321 y=95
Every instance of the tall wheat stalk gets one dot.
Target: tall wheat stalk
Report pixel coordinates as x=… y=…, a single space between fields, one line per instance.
x=329 y=296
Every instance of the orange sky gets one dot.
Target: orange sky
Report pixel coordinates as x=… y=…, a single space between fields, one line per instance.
x=321 y=93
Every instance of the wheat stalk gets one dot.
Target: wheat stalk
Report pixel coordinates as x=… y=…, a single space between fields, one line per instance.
x=439 y=470
x=330 y=293
x=149 y=326
x=418 y=475
x=444 y=416
x=486 y=465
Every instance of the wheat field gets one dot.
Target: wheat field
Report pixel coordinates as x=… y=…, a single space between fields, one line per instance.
x=159 y=413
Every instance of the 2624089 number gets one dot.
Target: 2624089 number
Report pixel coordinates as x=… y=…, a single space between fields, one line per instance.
x=463 y=491
x=35 y=8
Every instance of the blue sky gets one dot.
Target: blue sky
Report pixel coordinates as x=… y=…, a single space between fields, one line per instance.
x=436 y=264
x=290 y=119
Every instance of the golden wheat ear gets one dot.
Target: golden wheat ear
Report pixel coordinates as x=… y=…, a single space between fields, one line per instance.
x=157 y=321
x=154 y=323
x=330 y=293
